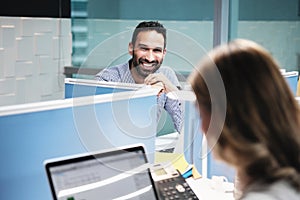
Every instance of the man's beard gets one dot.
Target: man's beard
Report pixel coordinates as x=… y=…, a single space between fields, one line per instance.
x=144 y=72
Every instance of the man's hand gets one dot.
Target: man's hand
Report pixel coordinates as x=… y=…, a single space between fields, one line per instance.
x=160 y=79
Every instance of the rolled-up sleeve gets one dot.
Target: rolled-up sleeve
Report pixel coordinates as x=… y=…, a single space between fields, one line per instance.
x=173 y=107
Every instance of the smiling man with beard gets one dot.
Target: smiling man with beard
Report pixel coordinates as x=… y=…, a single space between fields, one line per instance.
x=148 y=49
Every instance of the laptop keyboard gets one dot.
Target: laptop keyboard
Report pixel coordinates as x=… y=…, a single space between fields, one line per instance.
x=174 y=188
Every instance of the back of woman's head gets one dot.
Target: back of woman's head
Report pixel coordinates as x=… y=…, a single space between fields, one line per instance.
x=262 y=125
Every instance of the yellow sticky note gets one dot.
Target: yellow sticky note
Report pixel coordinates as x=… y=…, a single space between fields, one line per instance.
x=195 y=173
x=178 y=161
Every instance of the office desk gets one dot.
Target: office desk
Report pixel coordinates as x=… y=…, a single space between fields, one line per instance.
x=204 y=188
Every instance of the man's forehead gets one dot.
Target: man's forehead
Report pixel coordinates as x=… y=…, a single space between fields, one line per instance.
x=150 y=39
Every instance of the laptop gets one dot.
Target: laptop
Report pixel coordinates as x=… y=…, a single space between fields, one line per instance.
x=120 y=173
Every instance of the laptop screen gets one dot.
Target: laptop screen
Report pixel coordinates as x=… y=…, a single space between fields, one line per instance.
x=115 y=174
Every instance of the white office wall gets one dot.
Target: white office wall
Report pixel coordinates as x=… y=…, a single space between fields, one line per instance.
x=33 y=52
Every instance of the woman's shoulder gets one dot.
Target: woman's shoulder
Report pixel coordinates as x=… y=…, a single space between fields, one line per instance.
x=279 y=190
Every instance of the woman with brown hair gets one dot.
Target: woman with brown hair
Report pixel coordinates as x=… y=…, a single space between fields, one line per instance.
x=254 y=124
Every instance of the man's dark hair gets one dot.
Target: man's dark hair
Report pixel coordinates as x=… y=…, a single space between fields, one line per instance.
x=150 y=26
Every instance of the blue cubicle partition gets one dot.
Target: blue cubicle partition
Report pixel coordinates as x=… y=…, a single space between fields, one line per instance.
x=219 y=168
x=192 y=135
x=83 y=87
x=195 y=148
x=292 y=80
x=191 y=121
x=32 y=133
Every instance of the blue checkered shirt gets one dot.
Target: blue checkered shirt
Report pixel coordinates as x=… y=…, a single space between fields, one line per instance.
x=121 y=73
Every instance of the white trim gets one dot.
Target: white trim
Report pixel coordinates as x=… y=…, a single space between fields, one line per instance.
x=103 y=83
x=298 y=100
x=290 y=74
x=79 y=101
